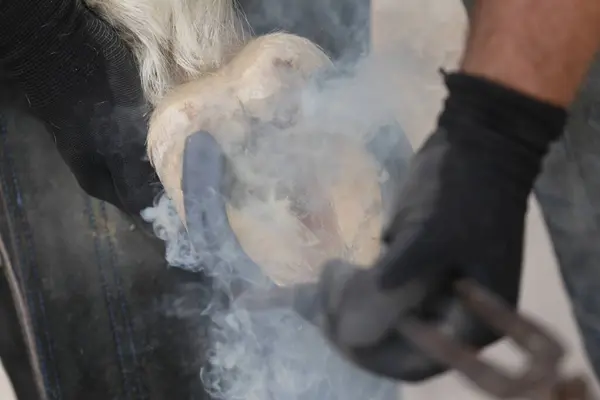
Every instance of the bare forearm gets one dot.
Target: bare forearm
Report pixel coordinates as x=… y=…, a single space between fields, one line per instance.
x=542 y=48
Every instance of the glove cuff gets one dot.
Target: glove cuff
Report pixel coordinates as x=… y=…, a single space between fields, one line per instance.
x=489 y=106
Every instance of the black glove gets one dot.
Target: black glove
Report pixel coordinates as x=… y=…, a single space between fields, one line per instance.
x=82 y=82
x=461 y=214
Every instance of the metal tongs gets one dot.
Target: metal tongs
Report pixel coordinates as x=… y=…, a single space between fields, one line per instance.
x=542 y=380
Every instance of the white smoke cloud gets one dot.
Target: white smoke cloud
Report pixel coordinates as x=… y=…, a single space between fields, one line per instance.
x=273 y=353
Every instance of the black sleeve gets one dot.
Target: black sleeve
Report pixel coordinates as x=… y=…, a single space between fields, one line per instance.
x=82 y=82
x=56 y=51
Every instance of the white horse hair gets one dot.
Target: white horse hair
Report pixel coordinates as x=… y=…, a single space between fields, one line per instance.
x=174 y=41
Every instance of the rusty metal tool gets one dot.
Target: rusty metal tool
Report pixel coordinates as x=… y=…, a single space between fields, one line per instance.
x=542 y=379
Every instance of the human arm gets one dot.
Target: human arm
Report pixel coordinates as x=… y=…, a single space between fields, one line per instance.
x=461 y=213
x=543 y=49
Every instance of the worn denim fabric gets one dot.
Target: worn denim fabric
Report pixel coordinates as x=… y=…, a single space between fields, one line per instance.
x=569 y=194
x=107 y=314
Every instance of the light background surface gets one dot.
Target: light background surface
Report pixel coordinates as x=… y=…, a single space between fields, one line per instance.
x=6 y=392
x=420 y=36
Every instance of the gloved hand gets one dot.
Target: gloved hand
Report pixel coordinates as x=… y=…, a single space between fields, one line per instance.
x=461 y=214
x=81 y=81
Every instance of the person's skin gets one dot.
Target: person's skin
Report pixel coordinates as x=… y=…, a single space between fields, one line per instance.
x=542 y=48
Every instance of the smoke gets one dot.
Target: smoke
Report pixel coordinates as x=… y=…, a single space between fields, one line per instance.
x=273 y=353
x=291 y=163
